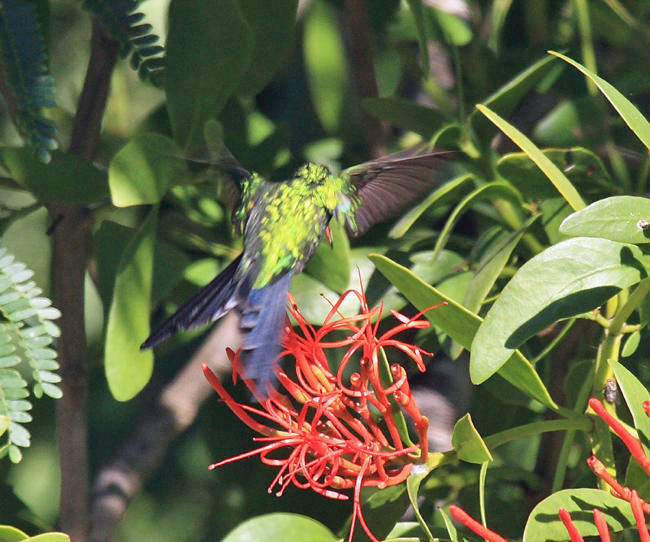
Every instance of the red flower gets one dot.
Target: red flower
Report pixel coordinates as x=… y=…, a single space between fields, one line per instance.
x=322 y=431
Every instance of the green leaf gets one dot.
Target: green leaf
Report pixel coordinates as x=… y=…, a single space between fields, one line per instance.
x=419 y=473
x=331 y=265
x=449 y=192
x=582 y=167
x=491 y=265
x=572 y=122
x=271 y=23
x=565 y=280
x=468 y=443
x=68 y=178
x=496 y=189
x=209 y=50
x=11 y=534
x=620 y=218
x=142 y=171
x=419 y=18
x=49 y=537
x=4 y=425
x=326 y=64
x=406 y=114
x=460 y=324
x=553 y=173
x=128 y=368
x=635 y=393
x=628 y=112
x=507 y=97
x=280 y=527
x=631 y=344
x=545 y=524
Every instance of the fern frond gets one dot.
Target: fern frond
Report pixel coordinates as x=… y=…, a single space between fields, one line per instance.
x=122 y=20
x=24 y=59
x=26 y=336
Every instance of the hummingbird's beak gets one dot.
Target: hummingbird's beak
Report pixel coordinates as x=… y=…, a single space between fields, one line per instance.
x=328 y=234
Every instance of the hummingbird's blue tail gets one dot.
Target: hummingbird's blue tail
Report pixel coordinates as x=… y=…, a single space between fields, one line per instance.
x=263 y=319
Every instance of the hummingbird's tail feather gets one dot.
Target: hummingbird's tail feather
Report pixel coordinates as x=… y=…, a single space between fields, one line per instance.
x=263 y=320
x=208 y=305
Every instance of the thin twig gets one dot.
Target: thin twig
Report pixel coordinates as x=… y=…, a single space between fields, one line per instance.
x=172 y=412
x=71 y=240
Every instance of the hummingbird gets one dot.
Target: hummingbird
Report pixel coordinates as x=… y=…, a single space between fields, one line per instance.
x=282 y=224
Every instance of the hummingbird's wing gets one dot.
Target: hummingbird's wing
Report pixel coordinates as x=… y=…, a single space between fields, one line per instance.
x=392 y=183
x=209 y=304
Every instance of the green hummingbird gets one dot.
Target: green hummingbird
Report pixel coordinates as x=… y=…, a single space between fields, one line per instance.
x=282 y=224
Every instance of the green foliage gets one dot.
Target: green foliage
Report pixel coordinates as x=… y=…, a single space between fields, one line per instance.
x=26 y=336
x=124 y=22
x=25 y=65
x=537 y=240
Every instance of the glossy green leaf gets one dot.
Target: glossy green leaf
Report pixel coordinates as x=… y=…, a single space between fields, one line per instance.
x=326 y=63
x=49 y=537
x=625 y=219
x=419 y=473
x=331 y=265
x=628 y=112
x=631 y=344
x=280 y=527
x=128 y=368
x=493 y=190
x=545 y=524
x=635 y=393
x=565 y=280
x=406 y=114
x=449 y=192
x=143 y=170
x=271 y=23
x=468 y=443
x=460 y=324
x=507 y=97
x=11 y=534
x=67 y=178
x=457 y=32
x=581 y=166
x=209 y=49
x=559 y=180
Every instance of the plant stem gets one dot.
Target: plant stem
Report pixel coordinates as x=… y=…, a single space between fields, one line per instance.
x=579 y=423
x=72 y=247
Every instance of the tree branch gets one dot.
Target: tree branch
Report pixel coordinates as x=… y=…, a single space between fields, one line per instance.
x=361 y=39
x=173 y=411
x=71 y=251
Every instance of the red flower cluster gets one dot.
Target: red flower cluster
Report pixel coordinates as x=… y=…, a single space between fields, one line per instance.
x=329 y=432
x=638 y=505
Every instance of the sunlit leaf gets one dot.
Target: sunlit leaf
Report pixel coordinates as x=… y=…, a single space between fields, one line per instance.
x=545 y=524
x=280 y=527
x=142 y=171
x=628 y=112
x=565 y=280
x=468 y=443
x=128 y=368
x=625 y=219
x=553 y=173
